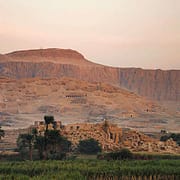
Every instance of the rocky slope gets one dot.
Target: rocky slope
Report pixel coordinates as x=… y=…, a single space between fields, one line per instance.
x=24 y=101
x=155 y=84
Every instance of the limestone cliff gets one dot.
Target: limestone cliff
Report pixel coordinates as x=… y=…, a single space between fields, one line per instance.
x=156 y=84
x=45 y=63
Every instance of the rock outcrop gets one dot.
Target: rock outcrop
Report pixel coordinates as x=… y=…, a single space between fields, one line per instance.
x=57 y=63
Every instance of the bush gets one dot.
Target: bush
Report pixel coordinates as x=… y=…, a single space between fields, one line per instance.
x=89 y=146
x=175 y=137
x=125 y=154
x=118 y=155
x=57 y=156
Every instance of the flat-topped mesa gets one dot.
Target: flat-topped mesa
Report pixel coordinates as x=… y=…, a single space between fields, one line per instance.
x=46 y=53
x=55 y=55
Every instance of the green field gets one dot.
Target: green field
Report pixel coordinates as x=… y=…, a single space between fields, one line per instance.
x=91 y=169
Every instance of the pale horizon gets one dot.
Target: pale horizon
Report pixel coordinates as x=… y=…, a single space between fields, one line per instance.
x=120 y=33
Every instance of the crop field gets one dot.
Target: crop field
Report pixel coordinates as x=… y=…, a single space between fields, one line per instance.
x=91 y=169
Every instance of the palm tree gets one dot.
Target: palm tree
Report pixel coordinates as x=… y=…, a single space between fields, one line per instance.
x=29 y=138
x=57 y=144
x=54 y=125
x=40 y=144
x=25 y=141
x=2 y=133
x=34 y=132
x=48 y=120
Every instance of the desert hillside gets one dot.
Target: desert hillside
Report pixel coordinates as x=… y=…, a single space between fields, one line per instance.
x=57 y=63
x=23 y=101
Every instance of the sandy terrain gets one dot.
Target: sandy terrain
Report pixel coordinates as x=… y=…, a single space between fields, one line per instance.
x=27 y=100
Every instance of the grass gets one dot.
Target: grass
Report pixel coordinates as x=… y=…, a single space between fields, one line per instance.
x=90 y=169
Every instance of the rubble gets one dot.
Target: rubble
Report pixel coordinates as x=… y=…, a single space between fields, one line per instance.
x=111 y=137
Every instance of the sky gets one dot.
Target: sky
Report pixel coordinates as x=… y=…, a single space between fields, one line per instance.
x=123 y=33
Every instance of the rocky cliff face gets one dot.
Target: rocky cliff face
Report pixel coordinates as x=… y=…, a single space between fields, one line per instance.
x=155 y=84
x=51 y=70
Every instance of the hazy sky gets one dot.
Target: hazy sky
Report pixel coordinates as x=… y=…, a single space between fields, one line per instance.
x=125 y=33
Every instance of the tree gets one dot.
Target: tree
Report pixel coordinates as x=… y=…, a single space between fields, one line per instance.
x=53 y=140
x=123 y=154
x=89 y=146
x=48 y=120
x=25 y=141
x=34 y=132
x=39 y=144
x=164 y=138
x=175 y=137
x=52 y=144
x=2 y=133
x=57 y=145
x=65 y=144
